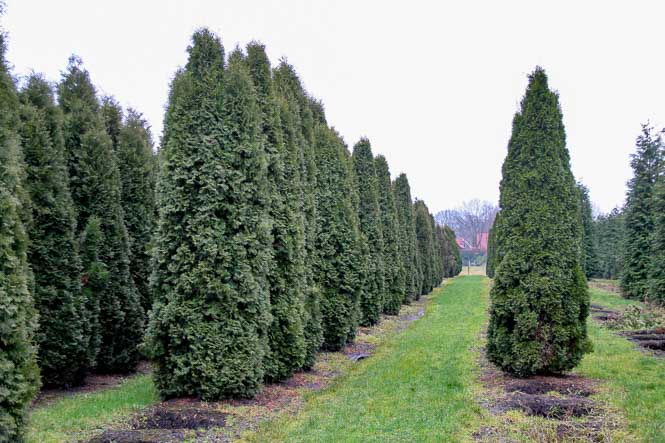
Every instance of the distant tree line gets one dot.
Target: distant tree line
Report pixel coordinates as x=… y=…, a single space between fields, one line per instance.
x=251 y=241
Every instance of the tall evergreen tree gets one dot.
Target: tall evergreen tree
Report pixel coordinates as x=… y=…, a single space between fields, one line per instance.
x=609 y=230
x=53 y=251
x=437 y=258
x=19 y=375
x=287 y=346
x=298 y=128
x=639 y=214
x=208 y=327
x=657 y=274
x=492 y=254
x=539 y=300
x=369 y=215
x=339 y=269
x=395 y=278
x=425 y=247
x=138 y=169
x=111 y=113
x=588 y=248
x=96 y=191
x=407 y=231
x=450 y=255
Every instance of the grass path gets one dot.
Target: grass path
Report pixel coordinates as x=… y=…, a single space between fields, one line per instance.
x=635 y=381
x=420 y=386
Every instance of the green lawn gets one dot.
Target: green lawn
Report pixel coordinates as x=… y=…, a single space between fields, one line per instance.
x=81 y=415
x=419 y=386
x=635 y=381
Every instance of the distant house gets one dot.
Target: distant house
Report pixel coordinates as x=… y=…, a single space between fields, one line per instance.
x=481 y=242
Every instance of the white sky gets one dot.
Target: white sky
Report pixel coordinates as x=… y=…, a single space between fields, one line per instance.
x=434 y=85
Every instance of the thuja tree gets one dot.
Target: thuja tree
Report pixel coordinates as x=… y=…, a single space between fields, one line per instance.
x=639 y=214
x=96 y=191
x=287 y=284
x=450 y=255
x=425 y=246
x=207 y=334
x=588 y=247
x=539 y=300
x=609 y=230
x=297 y=123
x=492 y=255
x=392 y=254
x=19 y=376
x=138 y=167
x=111 y=113
x=369 y=215
x=407 y=237
x=53 y=251
x=339 y=267
x=437 y=258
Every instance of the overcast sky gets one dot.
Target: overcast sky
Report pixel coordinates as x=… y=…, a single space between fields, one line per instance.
x=434 y=85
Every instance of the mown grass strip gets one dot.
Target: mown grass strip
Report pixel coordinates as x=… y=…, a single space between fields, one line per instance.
x=636 y=381
x=419 y=386
x=81 y=415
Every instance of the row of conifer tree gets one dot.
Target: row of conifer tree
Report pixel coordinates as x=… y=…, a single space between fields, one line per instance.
x=252 y=240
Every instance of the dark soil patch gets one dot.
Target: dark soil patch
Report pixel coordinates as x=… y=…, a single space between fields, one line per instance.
x=141 y=436
x=651 y=339
x=567 y=385
x=174 y=418
x=602 y=314
x=549 y=407
x=359 y=350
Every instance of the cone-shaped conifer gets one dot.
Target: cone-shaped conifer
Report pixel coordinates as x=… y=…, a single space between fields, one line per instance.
x=96 y=190
x=369 y=215
x=53 y=251
x=407 y=231
x=19 y=376
x=425 y=247
x=287 y=346
x=339 y=269
x=657 y=276
x=208 y=328
x=392 y=253
x=639 y=214
x=138 y=168
x=588 y=247
x=539 y=298
x=298 y=130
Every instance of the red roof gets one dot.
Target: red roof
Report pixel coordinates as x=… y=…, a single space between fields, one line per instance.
x=481 y=241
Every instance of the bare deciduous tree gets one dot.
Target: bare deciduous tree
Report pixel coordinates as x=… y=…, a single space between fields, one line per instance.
x=469 y=219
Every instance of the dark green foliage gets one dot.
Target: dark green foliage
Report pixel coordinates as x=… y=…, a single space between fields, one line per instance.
x=639 y=214
x=657 y=275
x=407 y=240
x=425 y=246
x=492 y=254
x=589 y=260
x=369 y=216
x=437 y=259
x=138 y=168
x=450 y=255
x=609 y=231
x=208 y=328
x=287 y=279
x=111 y=112
x=339 y=269
x=297 y=121
x=539 y=299
x=94 y=283
x=19 y=375
x=395 y=278
x=53 y=251
x=96 y=190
